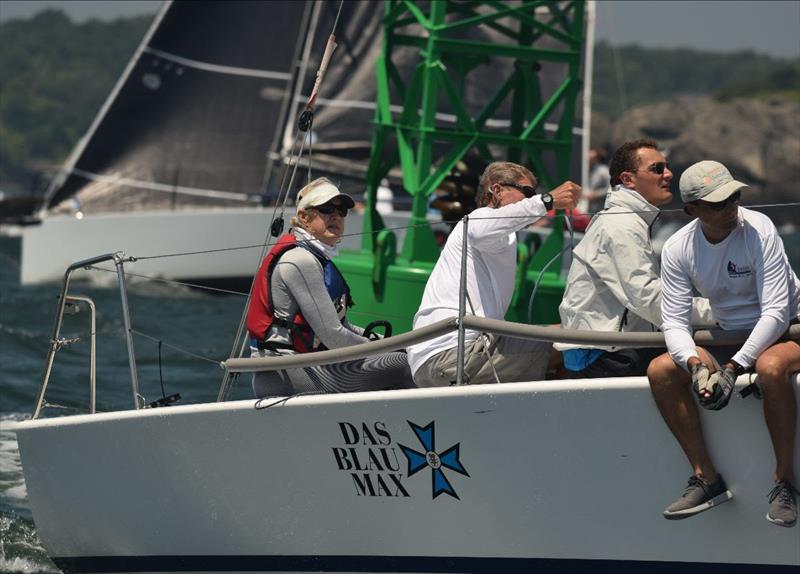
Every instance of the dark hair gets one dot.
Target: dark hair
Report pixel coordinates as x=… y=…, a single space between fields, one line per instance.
x=625 y=158
x=499 y=172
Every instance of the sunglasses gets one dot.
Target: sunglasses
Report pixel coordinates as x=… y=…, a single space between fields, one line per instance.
x=527 y=190
x=720 y=205
x=658 y=167
x=329 y=208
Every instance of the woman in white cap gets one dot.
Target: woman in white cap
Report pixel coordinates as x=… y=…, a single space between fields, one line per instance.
x=299 y=305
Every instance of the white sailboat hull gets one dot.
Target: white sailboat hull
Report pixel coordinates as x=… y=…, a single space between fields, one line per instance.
x=50 y=247
x=557 y=476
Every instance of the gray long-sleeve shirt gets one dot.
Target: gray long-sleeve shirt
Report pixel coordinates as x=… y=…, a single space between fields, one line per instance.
x=297 y=283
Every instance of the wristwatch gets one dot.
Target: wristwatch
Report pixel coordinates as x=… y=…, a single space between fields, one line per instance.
x=547 y=199
x=738 y=370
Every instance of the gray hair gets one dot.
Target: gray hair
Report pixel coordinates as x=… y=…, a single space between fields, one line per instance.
x=501 y=172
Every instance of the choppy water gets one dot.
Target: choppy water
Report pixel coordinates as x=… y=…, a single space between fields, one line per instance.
x=202 y=323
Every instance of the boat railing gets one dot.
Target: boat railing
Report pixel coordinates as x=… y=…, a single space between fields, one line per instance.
x=57 y=342
x=460 y=323
x=553 y=334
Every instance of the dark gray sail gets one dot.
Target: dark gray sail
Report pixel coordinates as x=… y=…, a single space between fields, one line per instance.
x=192 y=119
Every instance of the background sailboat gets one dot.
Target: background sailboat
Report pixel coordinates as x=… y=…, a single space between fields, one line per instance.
x=186 y=131
x=192 y=140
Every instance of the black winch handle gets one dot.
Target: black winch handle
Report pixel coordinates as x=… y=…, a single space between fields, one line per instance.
x=369 y=331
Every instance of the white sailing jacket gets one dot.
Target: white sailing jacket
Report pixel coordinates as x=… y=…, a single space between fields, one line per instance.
x=613 y=282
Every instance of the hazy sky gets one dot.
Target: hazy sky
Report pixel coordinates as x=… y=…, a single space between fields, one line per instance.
x=767 y=26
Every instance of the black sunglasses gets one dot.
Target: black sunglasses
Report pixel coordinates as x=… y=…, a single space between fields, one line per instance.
x=527 y=190
x=658 y=167
x=328 y=208
x=720 y=205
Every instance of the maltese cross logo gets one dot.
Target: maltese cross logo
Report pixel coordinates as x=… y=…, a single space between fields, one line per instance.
x=435 y=460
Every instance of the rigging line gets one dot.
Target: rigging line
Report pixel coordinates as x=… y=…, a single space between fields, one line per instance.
x=282 y=189
x=283 y=114
x=133 y=258
x=240 y=332
x=310 y=157
x=283 y=400
x=172 y=281
x=401 y=227
x=46 y=404
x=336 y=21
x=176 y=348
x=294 y=167
x=330 y=47
x=633 y=211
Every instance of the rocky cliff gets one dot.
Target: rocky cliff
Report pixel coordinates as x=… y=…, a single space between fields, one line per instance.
x=757 y=139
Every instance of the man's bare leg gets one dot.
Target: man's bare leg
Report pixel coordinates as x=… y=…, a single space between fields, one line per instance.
x=774 y=367
x=670 y=386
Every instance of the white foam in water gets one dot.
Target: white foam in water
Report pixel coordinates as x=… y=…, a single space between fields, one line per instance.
x=22 y=565
x=12 y=480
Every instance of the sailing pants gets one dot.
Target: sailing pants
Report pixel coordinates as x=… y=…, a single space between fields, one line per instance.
x=514 y=360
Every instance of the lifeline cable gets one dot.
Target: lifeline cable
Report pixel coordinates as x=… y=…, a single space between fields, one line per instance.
x=569 y=245
x=401 y=227
x=176 y=348
x=171 y=281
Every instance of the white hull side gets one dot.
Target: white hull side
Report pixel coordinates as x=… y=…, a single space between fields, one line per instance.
x=575 y=470
x=48 y=248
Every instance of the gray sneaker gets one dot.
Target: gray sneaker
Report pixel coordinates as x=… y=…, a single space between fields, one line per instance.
x=698 y=496
x=783 y=504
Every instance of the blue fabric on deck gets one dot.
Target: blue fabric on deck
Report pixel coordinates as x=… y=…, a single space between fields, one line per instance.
x=579 y=359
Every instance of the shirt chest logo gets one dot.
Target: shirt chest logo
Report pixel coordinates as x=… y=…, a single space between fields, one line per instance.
x=736 y=271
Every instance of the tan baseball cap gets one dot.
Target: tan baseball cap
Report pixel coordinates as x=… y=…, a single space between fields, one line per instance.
x=321 y=192
x=710 y=181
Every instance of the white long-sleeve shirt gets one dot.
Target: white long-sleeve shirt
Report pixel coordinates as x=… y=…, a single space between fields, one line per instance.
x=746 y=278
x=491 y=267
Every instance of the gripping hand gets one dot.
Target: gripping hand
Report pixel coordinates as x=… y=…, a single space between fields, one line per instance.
x=700 y=383
x=721 y=389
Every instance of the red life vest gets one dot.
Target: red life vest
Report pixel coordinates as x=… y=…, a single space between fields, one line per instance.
x=260 y=315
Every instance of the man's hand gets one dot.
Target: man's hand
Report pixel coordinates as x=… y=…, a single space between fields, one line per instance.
x=700 y=382
x=566 y=195
x=721 y=385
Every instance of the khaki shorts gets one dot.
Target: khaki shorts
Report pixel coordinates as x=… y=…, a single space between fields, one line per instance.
x=514 y=360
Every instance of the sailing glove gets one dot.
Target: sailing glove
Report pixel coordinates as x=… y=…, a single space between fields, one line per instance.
x=721 y=383
x=700 y=376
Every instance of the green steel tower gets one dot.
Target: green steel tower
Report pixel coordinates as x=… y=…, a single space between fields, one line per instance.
x=523 y=117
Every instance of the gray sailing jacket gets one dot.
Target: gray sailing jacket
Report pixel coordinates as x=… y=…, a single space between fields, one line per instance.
x=613 y=282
